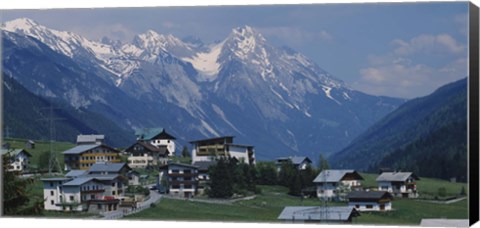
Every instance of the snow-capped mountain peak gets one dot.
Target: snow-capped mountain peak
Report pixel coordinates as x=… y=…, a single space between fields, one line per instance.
x=20 y=24
x=244 y=41
x=154 y=44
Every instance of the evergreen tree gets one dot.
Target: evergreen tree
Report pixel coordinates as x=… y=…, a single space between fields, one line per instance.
x=16 y=198
x=185 y=152
x=322 y=163
x=286 y=174
x=295 y=186
x=267 y=173
x=221 y=181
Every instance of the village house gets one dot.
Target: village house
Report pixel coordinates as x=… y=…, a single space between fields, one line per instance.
x=143 y=154
x=180 y=180
x=335 y=184
x=157 y=137
x=84 y=156
x=30 y=144
x=98 y=189
x=299 y=162
x=90 y=139
x=213 y=148
x=370 y=201
x=402 y=184
x=133 y=178
x=203 y=176
x=319 y=214
x=19 y=160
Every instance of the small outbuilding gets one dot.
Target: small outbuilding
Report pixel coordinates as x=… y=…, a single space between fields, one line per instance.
x=341 y=214
x=370 y=201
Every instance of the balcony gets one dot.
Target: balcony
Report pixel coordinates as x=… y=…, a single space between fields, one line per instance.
x=92 y=191
x=182 y=174
x=183 y=182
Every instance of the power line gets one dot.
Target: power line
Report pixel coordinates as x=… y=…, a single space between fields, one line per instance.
x=52 y=161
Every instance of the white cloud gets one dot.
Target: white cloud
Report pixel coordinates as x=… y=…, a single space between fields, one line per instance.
x=415 y=67
x=402 y=78
x=426 y=43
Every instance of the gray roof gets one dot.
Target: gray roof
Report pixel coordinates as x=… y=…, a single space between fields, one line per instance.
x=103 y=177
x=106 y=167
x=296 y=160
x=76 y=173
x=334 y=175
x=203 y=165
x=55 y=179
x=80 y=149
x=178 y=164
x=318 y=213
x=15 y=152
x=445 y=222
x=78 y=181
x=396 y=176
x=376 y=195
x=89 y=138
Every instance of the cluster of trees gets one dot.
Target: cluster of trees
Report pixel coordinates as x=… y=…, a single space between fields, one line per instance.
x=230 y=177
x=16 y=200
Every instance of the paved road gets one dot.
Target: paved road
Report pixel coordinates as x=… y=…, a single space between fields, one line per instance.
x=154 y=198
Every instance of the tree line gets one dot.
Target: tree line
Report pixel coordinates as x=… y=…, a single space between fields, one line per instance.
x=229 y=177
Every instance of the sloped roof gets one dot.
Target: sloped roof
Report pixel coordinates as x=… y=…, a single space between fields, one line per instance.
x=107 y=167
x=296 y=160
x=15 y=152
x=76 y=173
x=103 y=177
x=56 y=179
x=152 y=133
x=89 y=138
x=203 y=165
x=225 y=138
x=396 y=176
x=335 y=175
x=376 y=195
x=342 y=213
x=78 y=181
x=178 y=164
x=80 y=149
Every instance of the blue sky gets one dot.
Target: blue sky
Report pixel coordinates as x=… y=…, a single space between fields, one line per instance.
x=395 y=49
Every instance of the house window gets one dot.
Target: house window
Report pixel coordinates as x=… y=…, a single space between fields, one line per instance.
x=99 y=206
x=51 y=202
x=176 y=186
x=113 y=184
x=357 y=206
x=369 y=206
x=51 y=193
x=51 y=184
x=71 y=198
x=92 y=197
x=187 y=186
x=175 y=171
x=187 y=171
x=113 y=192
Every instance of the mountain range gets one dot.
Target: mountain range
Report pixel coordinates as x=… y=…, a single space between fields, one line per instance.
x=426 y=135
x=271 y=97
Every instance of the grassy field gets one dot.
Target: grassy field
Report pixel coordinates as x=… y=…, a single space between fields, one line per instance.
x=267 y=206
x=41 y=147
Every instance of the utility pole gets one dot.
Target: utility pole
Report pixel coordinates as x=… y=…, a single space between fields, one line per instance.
x=325 y=198
x=52 y=161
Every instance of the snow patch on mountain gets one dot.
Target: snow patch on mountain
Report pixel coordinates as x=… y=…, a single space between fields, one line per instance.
x=206 y=63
